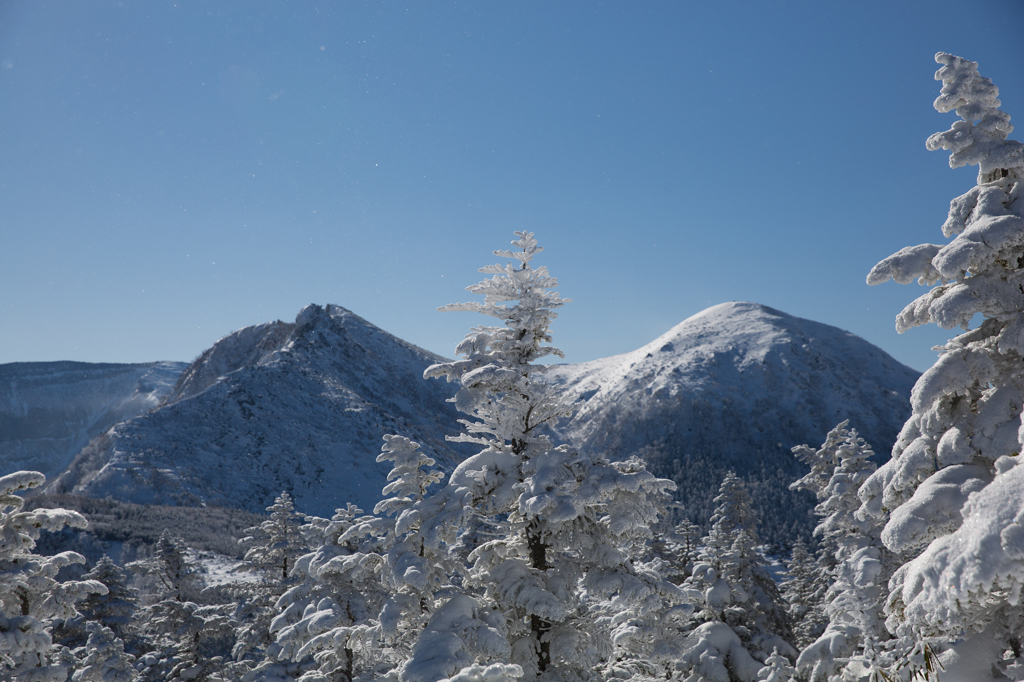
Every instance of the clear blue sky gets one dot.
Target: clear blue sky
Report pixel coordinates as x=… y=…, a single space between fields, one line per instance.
x=173 y=171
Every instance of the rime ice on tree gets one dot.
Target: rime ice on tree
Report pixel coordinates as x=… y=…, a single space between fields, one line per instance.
x=565 y=522
x=967 y=407
x=30 y=596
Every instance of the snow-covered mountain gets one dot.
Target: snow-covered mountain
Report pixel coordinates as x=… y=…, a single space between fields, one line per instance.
x=299 y=407
x=302 y=407
x=735 y=387
x=50 y=410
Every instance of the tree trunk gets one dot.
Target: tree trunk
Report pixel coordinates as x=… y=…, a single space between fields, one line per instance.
x=540 y=626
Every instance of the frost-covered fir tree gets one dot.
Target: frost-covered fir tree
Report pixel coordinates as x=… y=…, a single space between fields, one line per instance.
x=30 y=596
x=103 y=658
x=326 y=621
x=273 y=548
x=855 y=598
x=275 y=544
x=967 y=407
x=804 y=591
x=189 y=641
x=114 y=609
x=415 y=573
x=742 y=613
x=403 y=573
x=565 y=521
x=173 y=573
x=777 y=669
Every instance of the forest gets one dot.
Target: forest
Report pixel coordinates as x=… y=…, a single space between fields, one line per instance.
x=535 y=561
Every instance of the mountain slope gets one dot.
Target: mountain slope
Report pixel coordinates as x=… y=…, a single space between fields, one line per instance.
x=298 y=407
x=50 y=410
x=735 y=387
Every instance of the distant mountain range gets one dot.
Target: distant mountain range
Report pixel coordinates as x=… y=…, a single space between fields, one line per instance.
x=302 y=407
x=49 y=411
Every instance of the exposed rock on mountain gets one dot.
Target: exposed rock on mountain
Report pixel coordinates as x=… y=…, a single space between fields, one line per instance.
x=299 y=407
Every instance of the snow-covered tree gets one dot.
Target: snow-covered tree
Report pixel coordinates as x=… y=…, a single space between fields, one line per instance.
x=804 y=591
x=968 y=584
x=189 y=641
x=31 y=598
x=274 y=546
x=855 y=598
x=777 y=669
x=565 y=522
x=326 y=621
x=967 y=407
x=676 y=549
x=416 y=574
x=104 y=658
x=176 y=577
x=743 y=614
x=496 y=672
x=113 y=610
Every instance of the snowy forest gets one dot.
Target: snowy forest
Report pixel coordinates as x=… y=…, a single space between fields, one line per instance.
x=535 y=561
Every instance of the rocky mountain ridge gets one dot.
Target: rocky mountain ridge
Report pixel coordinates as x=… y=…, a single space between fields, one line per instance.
x=302 y=407
x=294 y=406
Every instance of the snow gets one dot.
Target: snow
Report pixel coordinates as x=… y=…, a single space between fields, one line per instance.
x=934 y=509
x=735 y=387
x=301 y=408
x=985 y=556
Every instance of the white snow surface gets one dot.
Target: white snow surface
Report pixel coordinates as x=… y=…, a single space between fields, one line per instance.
x=984 y=557
x=49 y=411
x=735 y=387
x=299 y=407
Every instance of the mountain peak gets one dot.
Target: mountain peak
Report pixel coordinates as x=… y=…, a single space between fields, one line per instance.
x=278 y=406
x=735 y=387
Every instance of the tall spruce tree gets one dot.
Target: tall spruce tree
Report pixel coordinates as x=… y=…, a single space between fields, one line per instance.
x=273 y=547
x=966 y=407
x=565 y=521
x=804 y=590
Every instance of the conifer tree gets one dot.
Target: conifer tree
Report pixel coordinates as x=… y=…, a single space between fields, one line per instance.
x=742 y=613
x=777 y=669
x=855 y=598
x=565 y=521
x=187 y=641
x=326 y=621
x=113 y=610
x=31 y=598
x=966 y=407
x=274 y=546
x=176 y=576
x=104 y=658
x=415 y=573
x=804 y=591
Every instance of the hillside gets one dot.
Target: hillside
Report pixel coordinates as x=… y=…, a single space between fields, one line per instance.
x=735 y=387
x=299 y=407
x=49 y=411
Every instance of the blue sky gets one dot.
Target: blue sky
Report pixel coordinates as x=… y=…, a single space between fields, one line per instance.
x=171 y=172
